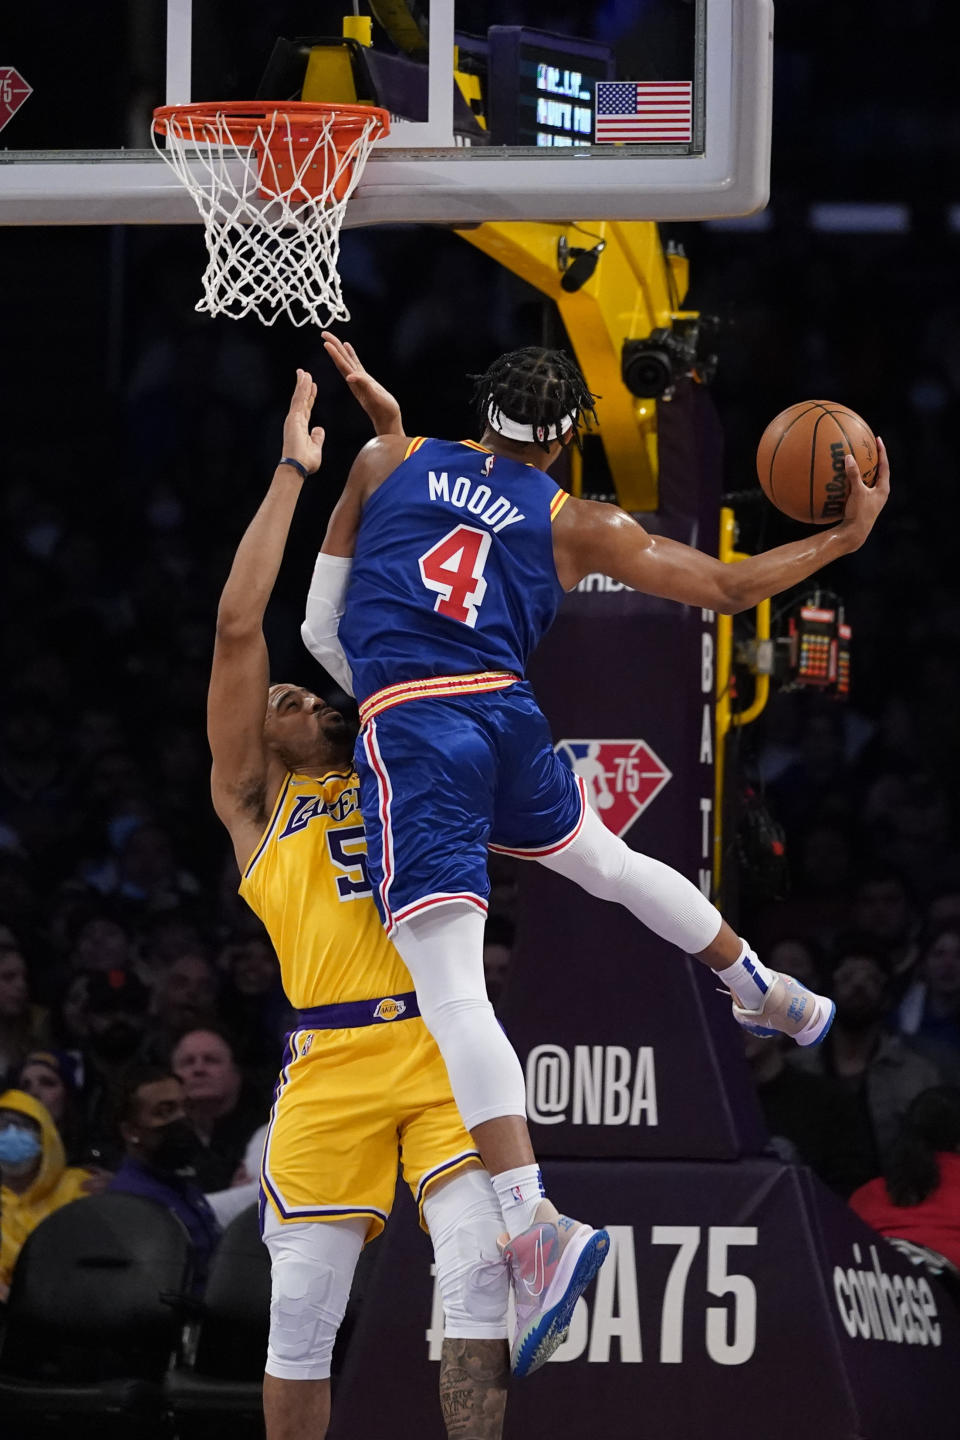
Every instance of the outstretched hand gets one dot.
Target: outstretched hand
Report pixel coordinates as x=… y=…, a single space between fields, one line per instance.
x=377 y=402
x=864 y=502
x=300 y=442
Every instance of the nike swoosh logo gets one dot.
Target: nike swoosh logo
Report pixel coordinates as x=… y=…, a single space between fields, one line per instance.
x=535 y=1282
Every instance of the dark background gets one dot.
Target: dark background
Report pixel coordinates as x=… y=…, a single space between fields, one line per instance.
x=139 y=437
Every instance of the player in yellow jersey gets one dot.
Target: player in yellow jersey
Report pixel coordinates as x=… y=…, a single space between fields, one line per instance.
x=362 y=1079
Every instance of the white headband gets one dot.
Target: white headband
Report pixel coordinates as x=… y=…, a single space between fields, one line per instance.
x=517 y=430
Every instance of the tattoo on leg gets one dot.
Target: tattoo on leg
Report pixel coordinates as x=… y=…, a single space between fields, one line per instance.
x=473 y=1388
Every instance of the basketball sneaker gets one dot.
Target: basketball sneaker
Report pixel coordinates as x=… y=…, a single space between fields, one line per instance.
x=788 y=1008
x=551 y=1264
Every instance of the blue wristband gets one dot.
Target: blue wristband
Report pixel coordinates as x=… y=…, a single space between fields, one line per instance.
x=301 y=470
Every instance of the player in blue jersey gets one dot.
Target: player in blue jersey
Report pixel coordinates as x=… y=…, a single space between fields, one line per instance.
x=443 y=565
x=363 y=1085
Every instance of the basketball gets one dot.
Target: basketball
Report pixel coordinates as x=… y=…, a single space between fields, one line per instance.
x=800 y=459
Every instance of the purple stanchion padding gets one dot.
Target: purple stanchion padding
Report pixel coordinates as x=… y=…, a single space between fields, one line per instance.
x=740 y=1300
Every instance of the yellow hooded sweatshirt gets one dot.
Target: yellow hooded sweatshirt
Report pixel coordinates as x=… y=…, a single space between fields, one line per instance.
x=54 y=1184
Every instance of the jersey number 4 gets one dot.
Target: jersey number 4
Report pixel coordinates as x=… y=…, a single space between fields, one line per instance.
x=453 y=568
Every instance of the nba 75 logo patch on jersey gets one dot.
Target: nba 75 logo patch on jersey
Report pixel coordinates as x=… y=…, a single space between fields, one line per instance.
x=621 y=777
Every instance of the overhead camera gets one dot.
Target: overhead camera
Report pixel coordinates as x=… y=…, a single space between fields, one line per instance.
x=652 y=367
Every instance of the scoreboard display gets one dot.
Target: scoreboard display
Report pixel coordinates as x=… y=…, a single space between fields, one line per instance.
x=541 y=89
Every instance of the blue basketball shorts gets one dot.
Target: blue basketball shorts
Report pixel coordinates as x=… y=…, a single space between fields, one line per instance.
x=442 y=780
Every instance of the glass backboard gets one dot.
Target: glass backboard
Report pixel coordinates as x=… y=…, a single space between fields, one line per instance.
x=502 y=109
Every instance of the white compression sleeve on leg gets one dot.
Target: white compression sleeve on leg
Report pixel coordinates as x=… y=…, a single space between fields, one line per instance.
x=326 y=600
x=443 y=950
x=311 y=1271
x=464 y=1221
x=603 y=865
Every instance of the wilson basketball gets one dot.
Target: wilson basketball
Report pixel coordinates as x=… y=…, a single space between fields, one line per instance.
x=800 y=459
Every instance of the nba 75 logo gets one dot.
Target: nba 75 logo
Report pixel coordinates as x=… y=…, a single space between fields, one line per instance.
x=621 y=777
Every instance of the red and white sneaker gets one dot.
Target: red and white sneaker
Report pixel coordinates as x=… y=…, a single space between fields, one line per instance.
x=551 y=1264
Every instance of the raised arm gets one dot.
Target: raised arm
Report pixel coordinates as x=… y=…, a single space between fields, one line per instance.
x=245 y=777
x=590 y=537
x=377 y=458
x=327 y=596
x=331 y=573
x=378 y=404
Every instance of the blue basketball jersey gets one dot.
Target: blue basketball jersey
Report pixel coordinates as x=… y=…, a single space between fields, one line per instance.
x=453 y=571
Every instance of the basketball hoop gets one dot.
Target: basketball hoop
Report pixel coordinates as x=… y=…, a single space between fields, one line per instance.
x=271 y=184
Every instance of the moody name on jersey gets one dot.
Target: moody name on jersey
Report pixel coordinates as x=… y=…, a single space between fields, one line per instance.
x=465 y=494
x=453 y=571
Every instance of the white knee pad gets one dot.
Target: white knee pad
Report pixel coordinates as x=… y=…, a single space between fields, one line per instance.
x=464 y=1221
x=311 y=1267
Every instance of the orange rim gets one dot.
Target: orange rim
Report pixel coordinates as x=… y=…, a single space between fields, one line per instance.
x=247 y=117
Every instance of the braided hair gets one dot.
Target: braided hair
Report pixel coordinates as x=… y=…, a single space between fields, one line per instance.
x=931 y=1124
x=534 y=387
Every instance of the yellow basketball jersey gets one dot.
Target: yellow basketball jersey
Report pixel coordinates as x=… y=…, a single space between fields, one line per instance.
x=307 y=881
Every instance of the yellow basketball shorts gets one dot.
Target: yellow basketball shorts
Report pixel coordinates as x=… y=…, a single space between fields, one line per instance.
x=348 y=1105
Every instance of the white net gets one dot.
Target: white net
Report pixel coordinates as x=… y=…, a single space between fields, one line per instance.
x=272 y=194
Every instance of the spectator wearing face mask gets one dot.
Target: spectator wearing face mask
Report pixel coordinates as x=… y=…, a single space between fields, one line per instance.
x=160 y=1151
x=35 y=1179
x=116 y=1026
x=50 y=1076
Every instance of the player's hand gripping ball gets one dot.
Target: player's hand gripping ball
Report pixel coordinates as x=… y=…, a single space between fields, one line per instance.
x=800 y=459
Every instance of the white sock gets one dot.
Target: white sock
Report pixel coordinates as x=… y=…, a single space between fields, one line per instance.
x=519 y=1192
x=748 y=978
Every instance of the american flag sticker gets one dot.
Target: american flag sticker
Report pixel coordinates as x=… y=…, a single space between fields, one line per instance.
x=641 y=111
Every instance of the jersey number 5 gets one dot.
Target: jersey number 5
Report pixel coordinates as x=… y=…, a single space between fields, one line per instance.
x=348 y=851
x=453 y=568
